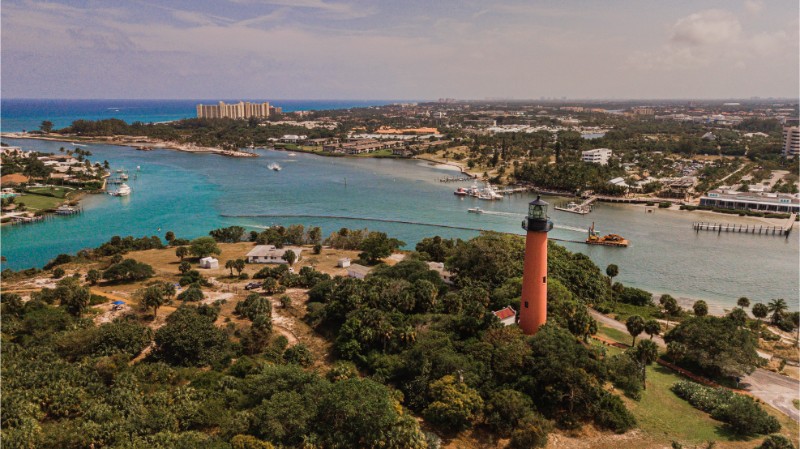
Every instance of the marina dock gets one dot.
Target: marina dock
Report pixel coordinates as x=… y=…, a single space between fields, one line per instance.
x=747 y=229
x=582 y=209
x=457 y=179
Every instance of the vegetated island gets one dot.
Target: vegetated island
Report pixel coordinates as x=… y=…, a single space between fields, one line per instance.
x=348 y=342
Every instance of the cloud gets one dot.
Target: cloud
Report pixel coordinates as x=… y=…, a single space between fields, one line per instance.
x=332 y=9
x=704 y=28
x=713 y=38
x=753 y=6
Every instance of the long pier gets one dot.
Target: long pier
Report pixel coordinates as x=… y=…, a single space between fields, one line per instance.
x=458 y=179
x=747 y=229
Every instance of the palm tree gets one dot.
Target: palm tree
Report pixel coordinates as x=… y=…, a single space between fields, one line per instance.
x=239 y=265
x=743 y=302
x=777 y=307
x=760 y=311
x=230 y=264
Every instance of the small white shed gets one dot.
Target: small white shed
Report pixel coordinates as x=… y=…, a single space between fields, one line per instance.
x=209 y=263
x=344 y=262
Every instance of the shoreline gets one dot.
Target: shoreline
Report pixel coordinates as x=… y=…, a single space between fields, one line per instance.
x=138 y=145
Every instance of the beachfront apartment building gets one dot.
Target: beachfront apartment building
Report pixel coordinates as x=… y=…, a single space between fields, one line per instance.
x=791 y=141
x=597 y=156
x=240 y=110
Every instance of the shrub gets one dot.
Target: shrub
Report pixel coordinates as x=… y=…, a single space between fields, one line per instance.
x=611 y=414
x=776 y=442
x=531 y=432
x=299 y=354
x=191 y=294
x=636 y=296
x=58 y=273
x=741 y=413
x=128 y=270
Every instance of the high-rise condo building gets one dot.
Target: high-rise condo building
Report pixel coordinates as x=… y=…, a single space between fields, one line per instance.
x=791 y=141
x=242 y=109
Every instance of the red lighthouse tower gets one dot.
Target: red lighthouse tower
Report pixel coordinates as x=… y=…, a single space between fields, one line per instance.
x=533 y=308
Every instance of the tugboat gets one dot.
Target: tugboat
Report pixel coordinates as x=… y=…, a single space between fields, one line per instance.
x=606 y=240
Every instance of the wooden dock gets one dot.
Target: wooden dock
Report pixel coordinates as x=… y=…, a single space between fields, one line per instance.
x=582 y=209
x=747 y=229
x=458 y=179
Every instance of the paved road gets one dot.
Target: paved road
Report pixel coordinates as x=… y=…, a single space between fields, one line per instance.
x=773 y=388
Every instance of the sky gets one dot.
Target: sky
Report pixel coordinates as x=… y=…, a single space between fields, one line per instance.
x=408 y=49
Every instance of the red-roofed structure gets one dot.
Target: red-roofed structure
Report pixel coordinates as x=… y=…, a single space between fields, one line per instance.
x=507 y=316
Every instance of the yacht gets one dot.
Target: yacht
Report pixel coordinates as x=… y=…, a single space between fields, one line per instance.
x=123 y=190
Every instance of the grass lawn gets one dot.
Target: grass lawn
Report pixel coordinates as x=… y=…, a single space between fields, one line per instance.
x=623 y=311
x=38 y=202
x=58 y=192
x=616 y=335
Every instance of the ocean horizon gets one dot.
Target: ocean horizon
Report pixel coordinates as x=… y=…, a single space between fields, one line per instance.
x=26 y=114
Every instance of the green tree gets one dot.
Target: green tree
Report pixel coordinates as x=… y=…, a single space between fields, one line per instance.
x=505 y=409
x=777 y=307
x=169 y=236
x=189 y=338
x=377 y=245
x=184 y=267
x=531 y=433
x=58 y=273
x=612 y=271
x=46 y=126
x=72 y=296
x=128 y=270
x=645 y=353
x=314 y=236
x=776 y=442
x=289 y=256
x=181 y=252
x=151 y=297
x=759 y=311
x=230 y=264
x=191 y=294
x=204 y=247
x=454 y=405
x=743 y=302
x=239 y=265
x=652 y=328
x=700 y=308
x=635 y=325
x=738 y=316
x=670 y=307
x=93 y=276
x=716 y=345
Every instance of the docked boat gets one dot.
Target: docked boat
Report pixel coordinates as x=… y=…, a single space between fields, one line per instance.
x=66 y=210
x=123 y=177
x=123 y=190
x=461 y=192
x=606 y=240
x=475 y=210
x=274 y=166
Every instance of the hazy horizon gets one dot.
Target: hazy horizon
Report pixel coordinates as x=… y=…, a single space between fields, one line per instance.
x=356 y=49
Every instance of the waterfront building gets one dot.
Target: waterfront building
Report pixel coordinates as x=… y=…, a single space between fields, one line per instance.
x=597 y=156
x=533 y=305
x=271 y=254
x=445 y=275
x=755 y=201
x=791 y=141
x=240 y=110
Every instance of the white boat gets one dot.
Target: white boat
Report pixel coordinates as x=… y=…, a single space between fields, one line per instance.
x=123 y=177
x=138 y=167
x=475 y=210
x=292 y=154
x=123 y=190
x=274 y=166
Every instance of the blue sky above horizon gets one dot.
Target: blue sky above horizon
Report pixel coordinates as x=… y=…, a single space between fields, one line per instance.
x=354 y=49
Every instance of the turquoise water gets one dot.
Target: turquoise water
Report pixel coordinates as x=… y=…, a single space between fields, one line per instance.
x=28 y=114
x=191 y=194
